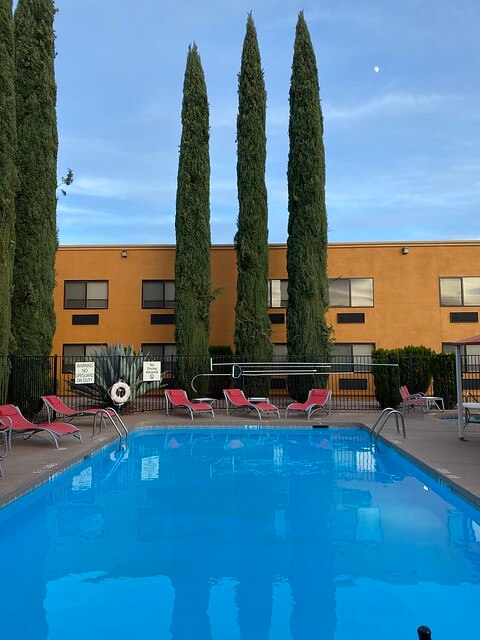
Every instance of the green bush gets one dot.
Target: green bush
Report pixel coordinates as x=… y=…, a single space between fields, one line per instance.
x=416 y=367
x=386 y=379
x=30 y=379
x=444 y=380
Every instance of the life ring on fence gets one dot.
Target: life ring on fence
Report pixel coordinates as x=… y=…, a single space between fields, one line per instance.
x=120 y=392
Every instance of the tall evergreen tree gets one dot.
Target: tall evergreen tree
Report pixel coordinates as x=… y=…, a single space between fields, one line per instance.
x=192 y=225
x=8 y=181
x=252 y=325
x=307 y=332
x=33 y=316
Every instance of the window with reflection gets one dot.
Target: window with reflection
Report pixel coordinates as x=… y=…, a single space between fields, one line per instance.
x=352 y=357
x=73 y=353
x=351 y=292
x=86 y=294
x=159 y=350
x=158 y=294
x=277 y=293
x=460 y=292
x=470 y=354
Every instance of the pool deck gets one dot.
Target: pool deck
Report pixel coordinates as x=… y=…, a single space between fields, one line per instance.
x=433 y=442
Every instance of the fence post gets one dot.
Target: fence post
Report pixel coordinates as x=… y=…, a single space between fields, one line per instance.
x=55 y=380
x=410 y=368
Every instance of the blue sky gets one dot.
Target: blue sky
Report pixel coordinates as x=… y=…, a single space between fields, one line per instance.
x=402 y=145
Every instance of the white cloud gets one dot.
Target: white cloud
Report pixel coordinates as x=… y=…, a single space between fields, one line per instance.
x=395 y=103
x=121 y=189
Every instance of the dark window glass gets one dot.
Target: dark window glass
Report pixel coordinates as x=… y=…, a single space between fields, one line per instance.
x=158 y=294
x=159 y=350
x=85 y=294
x=77 y=353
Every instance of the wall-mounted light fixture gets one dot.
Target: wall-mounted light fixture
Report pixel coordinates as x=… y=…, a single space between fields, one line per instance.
x=124 y=253
x=405 y=250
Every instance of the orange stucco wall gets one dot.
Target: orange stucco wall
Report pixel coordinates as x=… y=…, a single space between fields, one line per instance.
x=406 y=292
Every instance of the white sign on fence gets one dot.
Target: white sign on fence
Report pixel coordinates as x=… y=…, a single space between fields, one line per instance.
x=152 y=371
x=84 y=372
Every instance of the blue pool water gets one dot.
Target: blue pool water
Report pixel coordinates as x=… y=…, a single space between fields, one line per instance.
x=241 y=535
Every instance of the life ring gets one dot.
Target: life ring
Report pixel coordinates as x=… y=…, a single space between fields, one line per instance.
x=120 y=392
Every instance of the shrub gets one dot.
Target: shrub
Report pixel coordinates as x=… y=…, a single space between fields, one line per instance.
x=416 y=367
x=216 y=384
x=444 y=380
x=386 y=379
x=30 y=379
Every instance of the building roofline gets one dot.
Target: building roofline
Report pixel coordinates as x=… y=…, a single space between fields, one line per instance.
x=274 y=245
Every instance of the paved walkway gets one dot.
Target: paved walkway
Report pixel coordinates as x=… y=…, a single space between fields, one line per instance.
x=432 y=441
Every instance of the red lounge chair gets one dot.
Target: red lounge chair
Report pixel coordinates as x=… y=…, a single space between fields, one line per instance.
x=53 y=405
x=235 y=399
x=178 y=399
x=6 y=432
x=435 y=401
x=19 y=424
x=412 y=402
x=318 y=399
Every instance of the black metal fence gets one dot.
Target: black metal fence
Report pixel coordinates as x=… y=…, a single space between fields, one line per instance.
x=351 y=381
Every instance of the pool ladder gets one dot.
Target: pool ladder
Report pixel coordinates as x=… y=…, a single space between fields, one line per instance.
x=105 y=414
x=383 y=419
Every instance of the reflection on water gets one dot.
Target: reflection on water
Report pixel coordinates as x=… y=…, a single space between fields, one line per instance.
x=248 y=535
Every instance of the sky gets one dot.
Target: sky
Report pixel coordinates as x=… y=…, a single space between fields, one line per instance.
x=402 y=143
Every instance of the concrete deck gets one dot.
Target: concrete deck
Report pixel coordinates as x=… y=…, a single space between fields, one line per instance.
x=433 y=442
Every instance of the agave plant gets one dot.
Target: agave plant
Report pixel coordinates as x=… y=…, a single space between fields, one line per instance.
x=115 y=363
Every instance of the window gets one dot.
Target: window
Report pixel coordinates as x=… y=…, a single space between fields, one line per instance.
x=277 y=293
x=159 y=350
x=86 y=294
x=469 y=352
x=280 y=351
x=77 y=353
x=358 y=354
x=351 y=292
x=460 y=292
x=158 y=294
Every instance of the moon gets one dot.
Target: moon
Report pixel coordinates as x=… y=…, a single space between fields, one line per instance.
x=376 y=69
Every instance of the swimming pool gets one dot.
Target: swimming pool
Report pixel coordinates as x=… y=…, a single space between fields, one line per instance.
x=241 y=534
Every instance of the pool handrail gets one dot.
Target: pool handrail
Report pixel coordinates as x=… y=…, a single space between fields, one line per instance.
x=385 y=415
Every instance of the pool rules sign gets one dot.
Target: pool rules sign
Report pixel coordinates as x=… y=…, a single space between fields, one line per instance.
x=152 y=371
x=84 y=372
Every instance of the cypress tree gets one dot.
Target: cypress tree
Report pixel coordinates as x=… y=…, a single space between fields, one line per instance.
x=307 y=331
x=33 y=316
x=252 y=326
x=192 y=226
x=8 y=181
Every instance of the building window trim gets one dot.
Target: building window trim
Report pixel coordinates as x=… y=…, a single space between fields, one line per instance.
x=85 y=305
x=358 y=367
x=163 y=303
x=158 y=344
x=462 y=290
x=69 y=367
x=283 y=301
x=350 y=305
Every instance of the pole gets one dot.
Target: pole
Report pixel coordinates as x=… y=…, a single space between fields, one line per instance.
x=458 y=375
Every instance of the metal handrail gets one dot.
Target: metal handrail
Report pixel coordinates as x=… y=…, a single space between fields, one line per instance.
x=105 y=414
x=469 y=394
x=385 y=415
